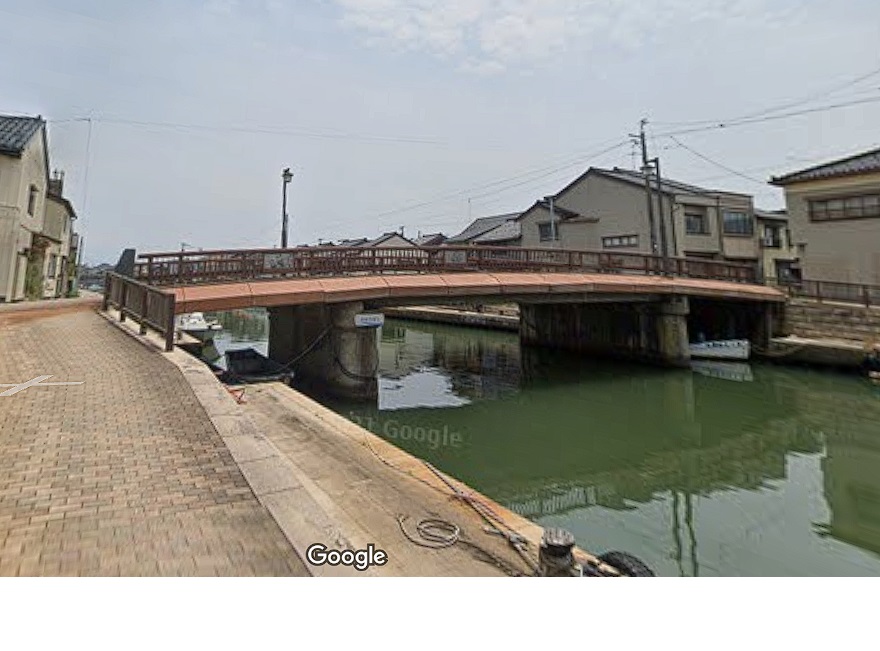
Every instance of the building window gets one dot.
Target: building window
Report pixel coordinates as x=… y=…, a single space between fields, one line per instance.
x=695 y=223
x=546 y=232
x=53 y=264
x=860 y=207
x=620 y=241
x=737 y=223
x=772 y=238
x=32 y=200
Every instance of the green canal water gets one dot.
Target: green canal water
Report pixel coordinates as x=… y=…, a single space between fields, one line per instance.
x=761 y=471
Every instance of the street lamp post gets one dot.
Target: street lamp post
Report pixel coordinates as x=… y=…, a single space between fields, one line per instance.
x=286 y=177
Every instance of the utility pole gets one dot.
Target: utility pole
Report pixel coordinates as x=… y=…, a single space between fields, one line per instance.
x=286 y=177
x=646 y=173
x=661 y=221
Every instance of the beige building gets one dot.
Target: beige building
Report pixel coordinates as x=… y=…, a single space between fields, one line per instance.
x=834 y=217
x=24 y=179
x=61 y=241
x=607 y=209
x=779 y=259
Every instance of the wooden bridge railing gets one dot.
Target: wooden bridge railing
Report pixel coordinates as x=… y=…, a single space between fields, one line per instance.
x=193 y=267
x=148 y=306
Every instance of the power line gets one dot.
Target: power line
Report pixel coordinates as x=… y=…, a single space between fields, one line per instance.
x=781 y=116
x=782 y=107
x=716 y=163
x=813 y=159
x=554 y=171
x=272 y=131
x=529 y=175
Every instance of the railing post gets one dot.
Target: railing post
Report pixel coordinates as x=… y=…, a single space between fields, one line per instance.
x=171 y=302
x=108 y=281
x=123 y=301
x=144 y=305
x=866 y=295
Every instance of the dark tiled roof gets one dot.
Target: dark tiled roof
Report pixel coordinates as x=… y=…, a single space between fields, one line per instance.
x=863 y=163
x=666 y=185
x=480 y=226
x=431 y=239
x=505 y=232
x=559 y=211
x=16 y=132
x=352 y=242
x=382 y=239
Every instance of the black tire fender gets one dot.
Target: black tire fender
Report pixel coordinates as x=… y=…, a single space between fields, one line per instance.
x=626 y=564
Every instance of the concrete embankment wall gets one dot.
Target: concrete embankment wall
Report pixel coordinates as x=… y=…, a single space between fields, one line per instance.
x=827 y=320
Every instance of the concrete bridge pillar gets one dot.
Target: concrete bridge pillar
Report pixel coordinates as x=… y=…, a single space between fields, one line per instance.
x=649 y=330
x=674 y=348
x=333 y=355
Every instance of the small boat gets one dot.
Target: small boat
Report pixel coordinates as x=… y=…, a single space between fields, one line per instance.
x=871 y=364
x=733 y=371
x=249 y=366
x=722 y=349
x=197 y=325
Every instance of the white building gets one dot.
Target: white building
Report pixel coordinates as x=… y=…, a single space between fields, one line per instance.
x=24 y=180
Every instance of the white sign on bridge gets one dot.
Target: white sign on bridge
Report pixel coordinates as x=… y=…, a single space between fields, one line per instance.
x=369 y=320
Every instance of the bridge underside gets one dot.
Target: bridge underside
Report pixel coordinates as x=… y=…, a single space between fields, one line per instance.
x=312 y=325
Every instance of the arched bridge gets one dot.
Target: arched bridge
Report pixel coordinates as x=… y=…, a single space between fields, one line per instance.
x=620 y=303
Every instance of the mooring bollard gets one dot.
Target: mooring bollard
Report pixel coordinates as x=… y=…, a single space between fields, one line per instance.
x=556 y=557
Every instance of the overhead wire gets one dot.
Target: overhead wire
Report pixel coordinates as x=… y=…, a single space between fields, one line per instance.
x=784 y=106
x=769 y=118
x=507 y=183
x=716 y=163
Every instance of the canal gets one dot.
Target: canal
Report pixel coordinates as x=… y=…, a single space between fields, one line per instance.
x=756 y=471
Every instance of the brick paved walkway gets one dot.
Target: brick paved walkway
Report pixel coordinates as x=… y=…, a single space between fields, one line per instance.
x=122 y=475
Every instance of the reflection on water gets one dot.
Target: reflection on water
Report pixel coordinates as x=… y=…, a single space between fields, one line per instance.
x=771 y=472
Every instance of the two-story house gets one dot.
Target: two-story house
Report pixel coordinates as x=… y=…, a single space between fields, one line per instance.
x=834 y=217
x=607 y=209
x=779 y=258
x=24 y=179
x=58 y=229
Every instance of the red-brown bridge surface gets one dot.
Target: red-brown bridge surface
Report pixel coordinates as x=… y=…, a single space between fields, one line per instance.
x=233 y=279
x=421 y=288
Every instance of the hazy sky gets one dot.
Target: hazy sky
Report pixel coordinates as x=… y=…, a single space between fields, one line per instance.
x=380 y=106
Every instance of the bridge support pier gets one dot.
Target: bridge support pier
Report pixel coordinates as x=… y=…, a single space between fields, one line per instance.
x=334 y=356
x=652 y=331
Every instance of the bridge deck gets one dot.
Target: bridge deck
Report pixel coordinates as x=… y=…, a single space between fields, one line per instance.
x=420 y=288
